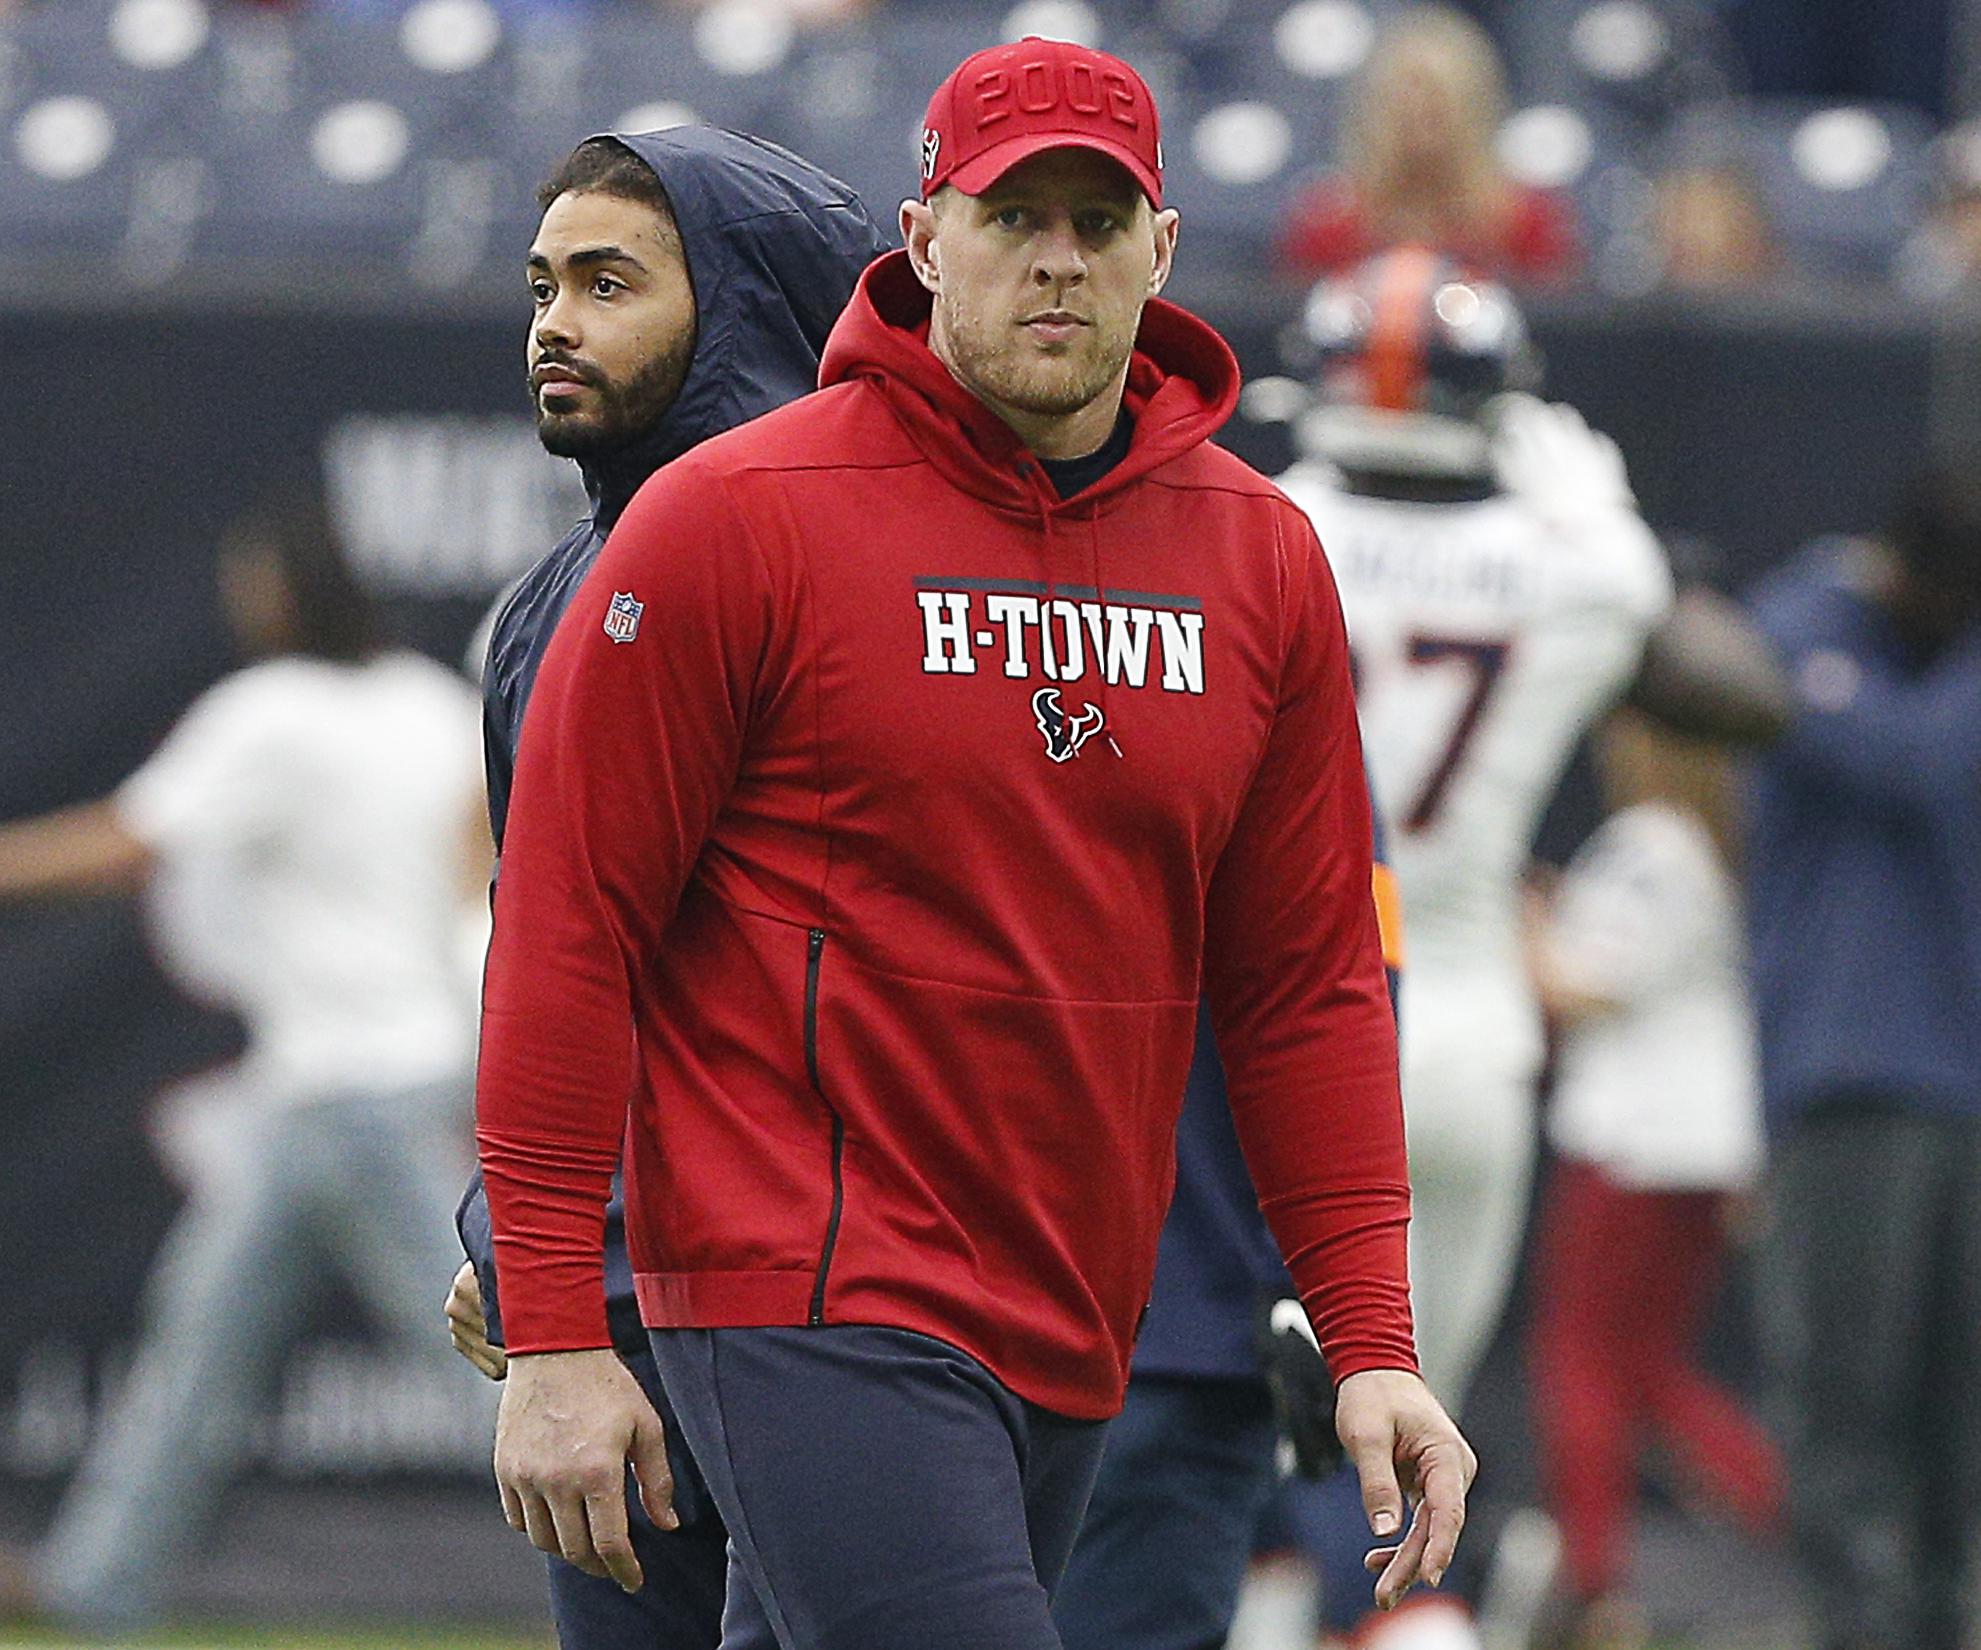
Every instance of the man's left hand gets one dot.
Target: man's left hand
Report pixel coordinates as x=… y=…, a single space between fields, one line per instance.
x=1405 y=1447
x=468 y=1325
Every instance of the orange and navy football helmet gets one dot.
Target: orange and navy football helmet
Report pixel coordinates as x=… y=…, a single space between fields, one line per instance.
x=1407 y=354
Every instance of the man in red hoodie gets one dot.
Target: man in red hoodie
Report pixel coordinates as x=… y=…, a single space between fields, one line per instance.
x=910 y=759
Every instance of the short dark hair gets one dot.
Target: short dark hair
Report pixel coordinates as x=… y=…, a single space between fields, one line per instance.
x=1935 y=530
x=605 y=166
x=334 y=617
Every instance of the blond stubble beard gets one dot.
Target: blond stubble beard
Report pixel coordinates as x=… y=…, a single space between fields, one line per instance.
x=1048 y=386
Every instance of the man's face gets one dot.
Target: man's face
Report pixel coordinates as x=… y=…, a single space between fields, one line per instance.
x=615 y=322
x=1039 y=283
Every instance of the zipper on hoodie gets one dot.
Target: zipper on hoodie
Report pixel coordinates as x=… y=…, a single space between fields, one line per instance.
x=814 y=954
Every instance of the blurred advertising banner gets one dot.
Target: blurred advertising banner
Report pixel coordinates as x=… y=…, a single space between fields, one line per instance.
x=142 y=437
x=438 y=507
x=133 y=437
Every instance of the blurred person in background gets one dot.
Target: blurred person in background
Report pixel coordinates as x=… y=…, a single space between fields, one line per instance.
x=683 y=282
x=1499 y=586
x=1419 y=166
x=1501 y=593
x=1942 y=256
x=1639 y=960
x=1864 y=896
x=311 y=827
x=1712 y=229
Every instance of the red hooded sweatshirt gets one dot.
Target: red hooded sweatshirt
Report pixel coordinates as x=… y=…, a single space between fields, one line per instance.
x=877 y=820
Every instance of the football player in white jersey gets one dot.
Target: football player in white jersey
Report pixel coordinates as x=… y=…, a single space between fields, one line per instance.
x=1499 y=586
x=1501 y=592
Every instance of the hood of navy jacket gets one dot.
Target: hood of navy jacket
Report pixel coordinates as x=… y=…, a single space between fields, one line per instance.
x=1183 y=384
x=774 y=246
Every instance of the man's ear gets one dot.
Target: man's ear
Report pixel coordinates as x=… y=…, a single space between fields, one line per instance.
x=918 y=235
x=1166 y=229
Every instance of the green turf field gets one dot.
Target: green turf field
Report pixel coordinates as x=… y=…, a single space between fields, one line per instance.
x=286 y=1638
x=426 y=1638
x=377 y=1638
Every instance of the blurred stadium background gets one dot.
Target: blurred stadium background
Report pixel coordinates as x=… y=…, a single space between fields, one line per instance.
x=233 y=233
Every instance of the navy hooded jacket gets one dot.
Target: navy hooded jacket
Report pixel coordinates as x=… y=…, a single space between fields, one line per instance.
x=774 y=247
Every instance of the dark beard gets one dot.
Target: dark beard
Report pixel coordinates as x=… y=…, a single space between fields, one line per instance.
x=625 y=411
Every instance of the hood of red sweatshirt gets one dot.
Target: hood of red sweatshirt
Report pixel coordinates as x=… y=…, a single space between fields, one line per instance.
x=1183 y=384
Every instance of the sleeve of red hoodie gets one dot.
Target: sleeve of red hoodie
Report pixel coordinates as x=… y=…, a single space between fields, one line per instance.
x=1293 y=968
x=628 y=753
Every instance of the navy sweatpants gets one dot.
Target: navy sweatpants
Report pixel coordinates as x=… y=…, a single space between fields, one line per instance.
x=882 y=1490
x=1189 y=1466
x=679 y=1606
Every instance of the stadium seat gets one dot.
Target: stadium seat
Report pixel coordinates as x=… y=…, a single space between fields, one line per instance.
x=328 y=196
x=351 y=151
x=450 y=78
x=1631 y=64
x=66 y=179
x=100 y=120
x=1844 y=184
x=1277 y=49
x=567 y=76
x=1263 y=115
x=1234 y=165
x=152 y=68
x=1588 y=154
x=724 y=66
x=854 y=102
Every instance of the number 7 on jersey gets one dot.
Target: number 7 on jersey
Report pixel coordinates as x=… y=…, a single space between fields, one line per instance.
x=1483 y=660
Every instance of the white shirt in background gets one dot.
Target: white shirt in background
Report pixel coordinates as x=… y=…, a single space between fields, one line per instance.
x=1664 y=1093
x=1487 y=637
x=310 y=821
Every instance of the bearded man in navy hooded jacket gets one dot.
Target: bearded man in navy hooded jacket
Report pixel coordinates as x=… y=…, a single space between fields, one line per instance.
x=684 y=282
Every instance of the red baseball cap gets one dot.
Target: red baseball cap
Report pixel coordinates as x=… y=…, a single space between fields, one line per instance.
x=1009 y=103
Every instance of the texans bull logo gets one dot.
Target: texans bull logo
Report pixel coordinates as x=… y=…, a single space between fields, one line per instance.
x=1064 y=735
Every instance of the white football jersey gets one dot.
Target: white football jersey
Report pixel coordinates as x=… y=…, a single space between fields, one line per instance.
x=1487 y=636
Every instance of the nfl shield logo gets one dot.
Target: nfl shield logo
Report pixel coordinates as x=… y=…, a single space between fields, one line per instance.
x=622 y=618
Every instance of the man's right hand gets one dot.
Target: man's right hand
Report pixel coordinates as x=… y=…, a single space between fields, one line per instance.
x=569 y=1423
x=467 y=1323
